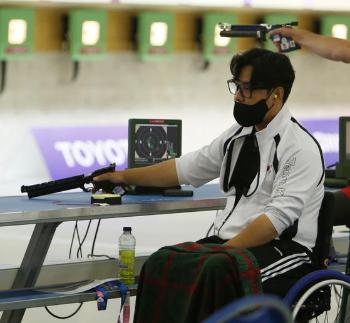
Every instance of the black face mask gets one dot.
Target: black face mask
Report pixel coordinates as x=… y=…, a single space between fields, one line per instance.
x=250 y=115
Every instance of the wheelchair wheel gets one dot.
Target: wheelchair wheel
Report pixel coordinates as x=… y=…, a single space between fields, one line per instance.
x=321 y=296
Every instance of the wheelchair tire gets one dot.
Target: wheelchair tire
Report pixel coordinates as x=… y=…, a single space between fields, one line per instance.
x=320 y=295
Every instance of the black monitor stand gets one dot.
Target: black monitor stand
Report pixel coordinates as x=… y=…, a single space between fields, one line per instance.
x=340 y=176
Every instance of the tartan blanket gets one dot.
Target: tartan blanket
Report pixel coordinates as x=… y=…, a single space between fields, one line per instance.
x=187 y=282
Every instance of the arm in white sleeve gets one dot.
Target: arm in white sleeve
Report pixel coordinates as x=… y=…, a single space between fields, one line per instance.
x=201 y=166
x=296 y=180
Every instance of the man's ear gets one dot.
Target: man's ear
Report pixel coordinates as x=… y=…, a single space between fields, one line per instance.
x=278 y=94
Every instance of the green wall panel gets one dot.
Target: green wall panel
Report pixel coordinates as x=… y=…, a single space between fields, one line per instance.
x=78 y=50
x=16 y=51
x=210 y=51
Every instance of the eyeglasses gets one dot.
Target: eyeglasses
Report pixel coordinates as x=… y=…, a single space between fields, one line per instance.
x=245 y=88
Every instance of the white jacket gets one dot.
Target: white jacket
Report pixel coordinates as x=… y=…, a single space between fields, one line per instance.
x=289 y=187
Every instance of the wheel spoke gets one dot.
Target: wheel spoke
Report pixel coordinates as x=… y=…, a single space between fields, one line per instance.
x=316 y=298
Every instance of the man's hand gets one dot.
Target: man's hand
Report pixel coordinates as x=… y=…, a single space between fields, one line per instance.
x=332 y=48
x=257 y=233
x=158 y=175
x=114 y=177
x=104 y=181
x=295 y=33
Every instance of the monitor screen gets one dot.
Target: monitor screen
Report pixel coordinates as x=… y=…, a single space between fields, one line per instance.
x=152 y=141
x=343 y=165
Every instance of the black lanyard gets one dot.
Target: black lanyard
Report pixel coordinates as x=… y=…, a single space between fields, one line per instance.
x=247 y=167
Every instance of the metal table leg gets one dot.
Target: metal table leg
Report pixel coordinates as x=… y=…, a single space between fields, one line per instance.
x=29 y=270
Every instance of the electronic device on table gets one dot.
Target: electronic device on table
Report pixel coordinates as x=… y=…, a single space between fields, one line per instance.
x=340 y=177
x=152 y=141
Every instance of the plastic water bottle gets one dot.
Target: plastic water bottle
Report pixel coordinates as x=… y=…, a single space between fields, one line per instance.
x=127 y=243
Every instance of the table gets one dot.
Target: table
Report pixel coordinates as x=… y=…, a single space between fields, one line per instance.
x=47 y=212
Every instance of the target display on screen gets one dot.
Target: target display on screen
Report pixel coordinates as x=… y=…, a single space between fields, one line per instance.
x=153 y=140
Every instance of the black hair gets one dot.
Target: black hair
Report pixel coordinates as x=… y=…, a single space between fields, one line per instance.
x=270 y=69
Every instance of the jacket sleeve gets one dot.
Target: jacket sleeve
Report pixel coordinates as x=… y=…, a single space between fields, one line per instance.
x=298 y=178
x=201 y=166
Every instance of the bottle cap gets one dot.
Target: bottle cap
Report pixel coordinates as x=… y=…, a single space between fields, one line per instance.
x=128 y=229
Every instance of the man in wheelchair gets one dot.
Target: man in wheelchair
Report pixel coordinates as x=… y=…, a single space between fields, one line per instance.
x=270 y=168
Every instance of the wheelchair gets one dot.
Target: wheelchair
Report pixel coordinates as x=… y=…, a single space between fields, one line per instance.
x=253 y=309
x=320 y=296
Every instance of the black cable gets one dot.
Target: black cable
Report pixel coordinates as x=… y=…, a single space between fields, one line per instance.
x=84 y=238
x=95 y=237
x=71 y=244
x=207 y=235
x=79 y=251
x=64 y=317
x=212 y=225
x=76 y=230
x=91 y=254
x=237 y=199
x=79 y=241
